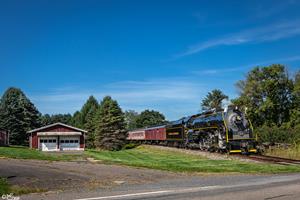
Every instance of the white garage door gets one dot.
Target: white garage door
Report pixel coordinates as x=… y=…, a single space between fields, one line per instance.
x=48 y=144
x=69 y=143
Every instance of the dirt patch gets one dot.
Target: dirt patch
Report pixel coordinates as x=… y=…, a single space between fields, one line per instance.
x=47 y=175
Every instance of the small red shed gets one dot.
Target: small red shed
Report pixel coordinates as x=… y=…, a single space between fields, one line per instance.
x=4 y=139
x=57 y=137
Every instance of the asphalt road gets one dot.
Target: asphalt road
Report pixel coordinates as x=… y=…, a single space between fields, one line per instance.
x=235 y=187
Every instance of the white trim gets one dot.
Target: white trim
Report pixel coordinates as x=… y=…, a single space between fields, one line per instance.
x=55 y=124
x=58 y=133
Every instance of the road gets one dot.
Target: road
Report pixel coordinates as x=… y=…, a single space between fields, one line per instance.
x=234 y=187
x=87 y=181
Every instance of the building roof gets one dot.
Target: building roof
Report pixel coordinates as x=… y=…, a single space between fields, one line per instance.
x=55 y=124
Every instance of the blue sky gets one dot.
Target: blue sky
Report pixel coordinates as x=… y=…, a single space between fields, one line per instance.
x=162 y=55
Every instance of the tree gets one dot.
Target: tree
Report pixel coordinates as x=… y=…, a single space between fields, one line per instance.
x=150 y=118
x=18 y=115
x=131 y=119
x=63 y=118
x=76 y=119
x=213 y=100
x=267 y=93
x=110 y=131
x=87 y=121
x=295 y=112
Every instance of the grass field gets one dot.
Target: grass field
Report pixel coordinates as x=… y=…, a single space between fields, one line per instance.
x=291 y=152
x=149 y=157
x=26 y=153
x=153 y=158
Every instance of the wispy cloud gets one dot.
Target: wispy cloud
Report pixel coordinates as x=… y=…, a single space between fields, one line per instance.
x=256 y=35
x=185 y=95
x=247 y=66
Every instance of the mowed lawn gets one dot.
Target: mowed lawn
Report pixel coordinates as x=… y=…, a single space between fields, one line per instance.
x=153 y=158
x=18 y=152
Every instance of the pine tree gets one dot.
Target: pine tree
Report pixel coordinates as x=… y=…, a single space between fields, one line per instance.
x=18 y=115
x=110 y=125
x=87 y=114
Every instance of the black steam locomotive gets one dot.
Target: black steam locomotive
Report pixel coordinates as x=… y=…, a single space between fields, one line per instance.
x=223 y=130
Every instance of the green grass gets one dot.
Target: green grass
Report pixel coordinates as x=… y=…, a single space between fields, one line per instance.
x=153 y=158
x=26 y=153
x=149 y=157
x=292 y=152
x=4 y=187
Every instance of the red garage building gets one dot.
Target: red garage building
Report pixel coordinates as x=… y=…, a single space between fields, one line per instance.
x=57 y=137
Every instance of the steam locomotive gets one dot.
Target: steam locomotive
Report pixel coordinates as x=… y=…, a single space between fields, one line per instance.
x=227 y=130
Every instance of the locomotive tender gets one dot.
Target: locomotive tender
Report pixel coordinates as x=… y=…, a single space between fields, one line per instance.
x=226 y=130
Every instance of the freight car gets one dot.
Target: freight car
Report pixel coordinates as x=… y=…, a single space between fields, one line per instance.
x=226 y=130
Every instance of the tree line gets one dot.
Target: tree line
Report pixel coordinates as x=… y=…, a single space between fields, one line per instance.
x=268 y=94
x=106 y=123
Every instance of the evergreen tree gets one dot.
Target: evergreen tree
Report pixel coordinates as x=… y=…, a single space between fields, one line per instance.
x=89 y=108
x=110 y=125
x=18 y=115
x=213 y=100
x=131 y=119
x=77 y=120
x=149 y=118
x=62 y=118
x=88 y=113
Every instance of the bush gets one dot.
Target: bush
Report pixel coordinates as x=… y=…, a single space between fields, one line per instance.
x=130 y=146
x=282 y=134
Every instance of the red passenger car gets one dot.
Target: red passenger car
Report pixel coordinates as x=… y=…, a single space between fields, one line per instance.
x=136 y=135
x=156 y=133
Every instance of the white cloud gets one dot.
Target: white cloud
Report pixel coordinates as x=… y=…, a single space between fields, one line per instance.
x=175 y=97
x=247 y=66
x=261 y=34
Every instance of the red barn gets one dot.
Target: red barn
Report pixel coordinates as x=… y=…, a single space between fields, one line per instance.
x=57 y=137
x=4 y=139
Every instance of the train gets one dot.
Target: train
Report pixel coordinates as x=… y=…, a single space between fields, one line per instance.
x=225 y=130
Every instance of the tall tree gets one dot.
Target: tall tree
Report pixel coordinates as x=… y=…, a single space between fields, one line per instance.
x=267 y=93
x=18 y=115
x=110 y=125
x=213 y=100
x=77 y=120
x=87 y=116
x=131 y=119
x=295 y=112
x=150 y=118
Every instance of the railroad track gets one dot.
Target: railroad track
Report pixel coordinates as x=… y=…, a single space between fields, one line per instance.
x=272 y=159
